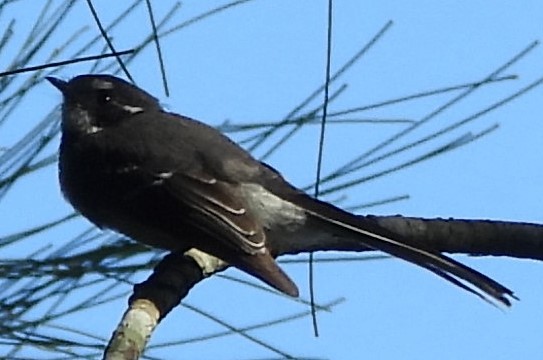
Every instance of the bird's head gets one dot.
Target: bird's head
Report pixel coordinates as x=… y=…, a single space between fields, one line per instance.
x=94 y=102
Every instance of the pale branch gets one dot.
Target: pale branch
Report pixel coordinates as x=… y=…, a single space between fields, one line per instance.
x=151 y=301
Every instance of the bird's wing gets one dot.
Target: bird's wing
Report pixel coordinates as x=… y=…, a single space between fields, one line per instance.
x=376 y=237
x=169 y=155
x=216 y=208
x=190 y=203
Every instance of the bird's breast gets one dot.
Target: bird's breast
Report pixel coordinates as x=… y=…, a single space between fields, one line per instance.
x=88 y=180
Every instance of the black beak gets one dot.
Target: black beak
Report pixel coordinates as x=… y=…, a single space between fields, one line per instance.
x=59 y=84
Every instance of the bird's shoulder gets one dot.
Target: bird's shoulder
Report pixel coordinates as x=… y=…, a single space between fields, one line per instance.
x=190 y=144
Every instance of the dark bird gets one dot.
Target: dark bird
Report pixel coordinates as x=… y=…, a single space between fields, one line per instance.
x=175 y=183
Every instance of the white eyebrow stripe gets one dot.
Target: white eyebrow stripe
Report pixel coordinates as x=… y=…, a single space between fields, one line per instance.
x=132 y=109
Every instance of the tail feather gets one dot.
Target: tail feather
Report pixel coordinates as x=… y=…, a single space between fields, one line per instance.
x=441 y=265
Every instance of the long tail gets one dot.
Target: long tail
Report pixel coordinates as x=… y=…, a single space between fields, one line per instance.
x=377 y=238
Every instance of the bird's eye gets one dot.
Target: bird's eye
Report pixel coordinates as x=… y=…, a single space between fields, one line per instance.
x=104 y=96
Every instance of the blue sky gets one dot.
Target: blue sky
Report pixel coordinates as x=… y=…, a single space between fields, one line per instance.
x=257 y=62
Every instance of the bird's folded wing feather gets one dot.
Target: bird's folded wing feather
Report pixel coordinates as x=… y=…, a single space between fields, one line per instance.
x=217 y=209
